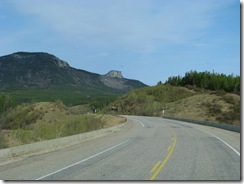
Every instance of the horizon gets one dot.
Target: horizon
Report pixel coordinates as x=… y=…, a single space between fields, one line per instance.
x=147 y=40
x=119 y=70
x=115 y=69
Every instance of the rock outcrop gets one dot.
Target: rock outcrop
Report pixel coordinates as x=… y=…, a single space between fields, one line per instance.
x=115 y=73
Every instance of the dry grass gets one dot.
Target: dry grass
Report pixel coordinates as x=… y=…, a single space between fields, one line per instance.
x=80 y=109
x=56 y=121
x=112 y=120
x=206 y=107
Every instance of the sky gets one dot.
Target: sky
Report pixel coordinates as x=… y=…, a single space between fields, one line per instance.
x=147 y=40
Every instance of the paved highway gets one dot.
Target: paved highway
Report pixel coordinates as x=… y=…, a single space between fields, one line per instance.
x=146 y=148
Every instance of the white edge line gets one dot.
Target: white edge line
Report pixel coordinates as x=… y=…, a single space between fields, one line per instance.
x=137 y=121
x=222 y=142
x=82 y=160
x=140 y=123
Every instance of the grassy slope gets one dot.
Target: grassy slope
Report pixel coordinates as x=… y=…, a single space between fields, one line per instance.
x=29 y=123
x=207 y=107
x=181 y=102
x=150 y=100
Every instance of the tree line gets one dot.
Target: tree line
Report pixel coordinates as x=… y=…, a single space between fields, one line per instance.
x=207 y=80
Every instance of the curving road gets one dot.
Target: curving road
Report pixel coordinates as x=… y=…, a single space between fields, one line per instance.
x=146 y=148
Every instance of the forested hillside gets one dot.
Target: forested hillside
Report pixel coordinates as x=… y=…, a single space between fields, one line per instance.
x=207 y=80
x=39 y=77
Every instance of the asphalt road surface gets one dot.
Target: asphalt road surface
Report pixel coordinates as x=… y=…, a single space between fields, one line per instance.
x=146 y=148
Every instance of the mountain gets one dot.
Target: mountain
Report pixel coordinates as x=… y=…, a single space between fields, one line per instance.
x=38 y=70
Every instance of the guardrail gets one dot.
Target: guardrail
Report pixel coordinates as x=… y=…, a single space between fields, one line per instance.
x=218 y=125
x=9 y=154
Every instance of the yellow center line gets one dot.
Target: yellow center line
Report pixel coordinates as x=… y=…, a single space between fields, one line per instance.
x=169 y=148
x=161 y=166
x=156 y=166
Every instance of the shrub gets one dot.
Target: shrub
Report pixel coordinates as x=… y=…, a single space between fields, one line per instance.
x=93 y=123
x=2 y=142
x=60 y=105
x=20 y=117
x=75 y=126
x=6 y=102
x=220 y=93
x=229 y=99
x=215 y=109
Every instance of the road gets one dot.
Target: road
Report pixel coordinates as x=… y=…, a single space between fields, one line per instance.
x=146 y=148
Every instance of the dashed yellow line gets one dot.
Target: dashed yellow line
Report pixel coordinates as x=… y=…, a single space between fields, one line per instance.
x=160 y=165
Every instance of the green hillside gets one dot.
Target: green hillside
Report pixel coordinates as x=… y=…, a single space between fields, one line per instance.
x=39 y=77
x=198 y=104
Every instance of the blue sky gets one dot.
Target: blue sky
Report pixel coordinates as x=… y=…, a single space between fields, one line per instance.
x=148 y=40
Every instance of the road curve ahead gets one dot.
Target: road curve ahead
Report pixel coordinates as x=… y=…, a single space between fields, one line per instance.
x=146 y=148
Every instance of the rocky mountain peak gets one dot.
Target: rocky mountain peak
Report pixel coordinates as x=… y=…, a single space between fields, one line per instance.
x=41 y=70
x=115 y=73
